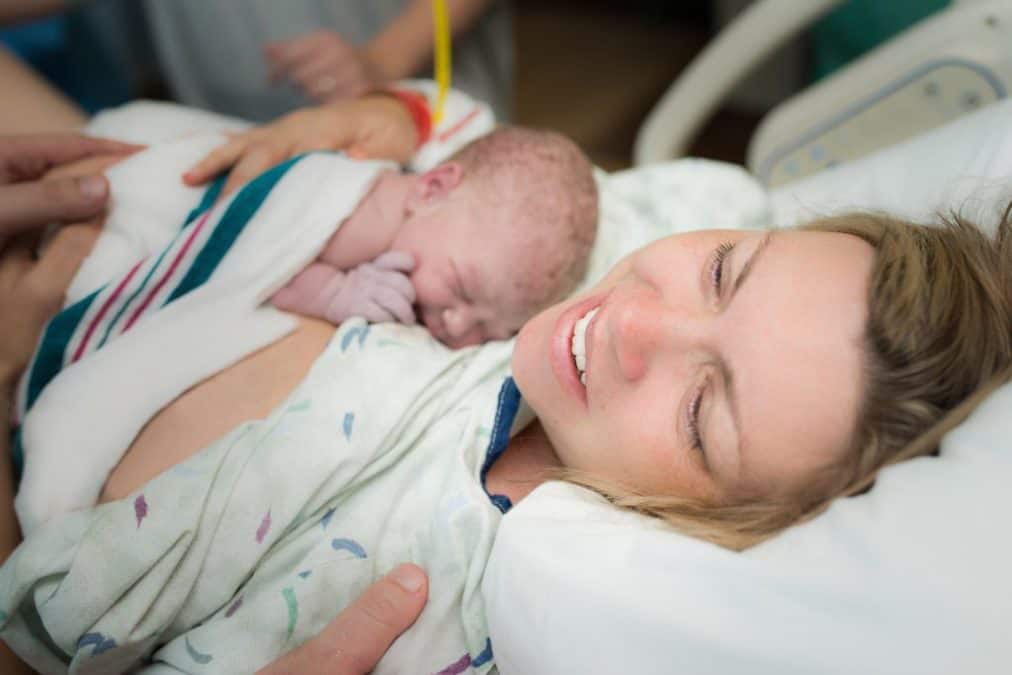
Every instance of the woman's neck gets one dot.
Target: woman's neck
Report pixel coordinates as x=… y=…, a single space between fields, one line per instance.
x=525 y=464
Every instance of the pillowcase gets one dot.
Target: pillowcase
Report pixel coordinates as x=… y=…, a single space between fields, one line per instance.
x=911 y=577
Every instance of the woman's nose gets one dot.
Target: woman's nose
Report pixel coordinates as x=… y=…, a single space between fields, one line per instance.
x=643 y=326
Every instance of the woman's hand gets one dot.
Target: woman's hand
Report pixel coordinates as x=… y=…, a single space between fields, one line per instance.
x=27 y=202
x=376 y=126
x=354 y=642
x=323 y=65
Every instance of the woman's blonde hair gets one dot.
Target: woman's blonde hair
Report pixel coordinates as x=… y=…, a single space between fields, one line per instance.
x=938 y=339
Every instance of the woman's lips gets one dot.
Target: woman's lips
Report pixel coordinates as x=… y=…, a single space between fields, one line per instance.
x=561 y=348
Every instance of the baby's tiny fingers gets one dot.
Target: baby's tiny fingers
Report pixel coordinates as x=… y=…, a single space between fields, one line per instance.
x=400 y=284
x=395 y=303
x=373 y=312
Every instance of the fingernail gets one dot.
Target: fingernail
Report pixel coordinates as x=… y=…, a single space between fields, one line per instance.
x=92 y=187
x=409 y=578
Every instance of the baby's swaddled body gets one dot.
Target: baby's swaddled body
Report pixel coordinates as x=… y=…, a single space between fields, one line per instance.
x=250 y=547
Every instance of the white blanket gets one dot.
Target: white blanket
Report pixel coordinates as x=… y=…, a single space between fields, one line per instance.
x=174 y=305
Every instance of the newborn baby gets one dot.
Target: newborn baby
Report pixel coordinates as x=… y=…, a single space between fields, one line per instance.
x=475 y=246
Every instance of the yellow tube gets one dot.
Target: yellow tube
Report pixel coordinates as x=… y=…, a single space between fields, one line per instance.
x=441 y=56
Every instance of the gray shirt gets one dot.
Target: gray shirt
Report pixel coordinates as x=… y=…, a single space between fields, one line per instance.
x=211 y=53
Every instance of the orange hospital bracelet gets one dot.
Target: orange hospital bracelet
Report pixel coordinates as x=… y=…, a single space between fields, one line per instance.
x=418 y=108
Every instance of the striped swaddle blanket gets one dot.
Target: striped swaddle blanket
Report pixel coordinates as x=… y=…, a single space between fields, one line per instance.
x=188 y=308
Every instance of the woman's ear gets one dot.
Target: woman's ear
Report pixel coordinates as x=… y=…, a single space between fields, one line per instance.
x=437 y=183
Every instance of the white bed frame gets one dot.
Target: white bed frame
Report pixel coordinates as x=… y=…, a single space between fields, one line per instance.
x=950 y=64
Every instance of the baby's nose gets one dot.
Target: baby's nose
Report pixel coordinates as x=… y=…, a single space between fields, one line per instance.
x=462 y=327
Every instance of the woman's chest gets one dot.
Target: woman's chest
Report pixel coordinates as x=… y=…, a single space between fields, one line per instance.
x=248 y=390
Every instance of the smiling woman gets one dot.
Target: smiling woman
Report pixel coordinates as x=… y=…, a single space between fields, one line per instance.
x=734 y=384
x=730 y=383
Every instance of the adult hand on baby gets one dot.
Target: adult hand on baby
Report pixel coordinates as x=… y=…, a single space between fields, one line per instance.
x=323 y=65
x=27 y=202
x=354 y=642
x=376 y=126
x=377 y=291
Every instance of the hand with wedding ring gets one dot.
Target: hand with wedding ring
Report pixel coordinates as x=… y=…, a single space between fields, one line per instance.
x=323 y=65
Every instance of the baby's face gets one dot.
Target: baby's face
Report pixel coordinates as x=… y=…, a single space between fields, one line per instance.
x=465 y=277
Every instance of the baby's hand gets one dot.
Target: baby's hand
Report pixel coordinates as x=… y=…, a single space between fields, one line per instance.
x=378 y=291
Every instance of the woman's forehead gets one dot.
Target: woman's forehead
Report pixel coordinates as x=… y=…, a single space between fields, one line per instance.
x=796 y=343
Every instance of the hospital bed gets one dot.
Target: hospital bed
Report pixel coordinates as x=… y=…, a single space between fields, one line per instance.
x=948 y=65
x=911 y=577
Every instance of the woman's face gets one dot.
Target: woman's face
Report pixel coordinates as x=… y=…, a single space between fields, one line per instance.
x=719 y=364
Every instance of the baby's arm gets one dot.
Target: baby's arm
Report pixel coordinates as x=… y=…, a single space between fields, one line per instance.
x=378 y=291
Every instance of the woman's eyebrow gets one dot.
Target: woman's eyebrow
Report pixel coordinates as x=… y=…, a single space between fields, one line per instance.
x=727 y=375
x=750 y=263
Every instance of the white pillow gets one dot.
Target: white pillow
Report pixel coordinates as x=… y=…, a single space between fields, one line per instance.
x=912 y=577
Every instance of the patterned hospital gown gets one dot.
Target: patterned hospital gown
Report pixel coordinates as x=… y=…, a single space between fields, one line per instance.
x=253 y=545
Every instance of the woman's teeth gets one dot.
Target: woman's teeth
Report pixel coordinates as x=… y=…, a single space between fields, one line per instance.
x=579 y=345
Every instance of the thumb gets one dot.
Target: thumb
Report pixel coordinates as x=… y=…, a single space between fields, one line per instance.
x=24 y=206
x=357 y=639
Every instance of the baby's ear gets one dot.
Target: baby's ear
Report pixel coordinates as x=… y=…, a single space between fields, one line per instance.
x=437 y=183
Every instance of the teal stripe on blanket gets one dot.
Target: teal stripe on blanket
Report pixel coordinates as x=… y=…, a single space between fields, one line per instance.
x=51 y=352
x=208 y=200
x=239 y=213
x=49 y=360
x=50 y=357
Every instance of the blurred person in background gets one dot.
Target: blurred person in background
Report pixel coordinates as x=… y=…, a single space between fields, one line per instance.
x=257 y=60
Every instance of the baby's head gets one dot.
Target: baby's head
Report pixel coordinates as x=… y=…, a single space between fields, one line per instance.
x=499 y=232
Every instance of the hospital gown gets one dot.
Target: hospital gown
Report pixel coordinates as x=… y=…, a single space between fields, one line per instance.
x=253 y=545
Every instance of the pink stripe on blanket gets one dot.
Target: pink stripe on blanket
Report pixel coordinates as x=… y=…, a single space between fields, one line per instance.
x=168 y=275
x=105 y=308
x=446 y=135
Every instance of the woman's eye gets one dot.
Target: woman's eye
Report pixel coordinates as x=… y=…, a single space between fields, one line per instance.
x=717 y=265
x=695 y=437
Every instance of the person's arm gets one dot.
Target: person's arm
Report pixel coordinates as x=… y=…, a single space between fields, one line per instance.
x=32 y=105
x=329 y=68
x=404 y=47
